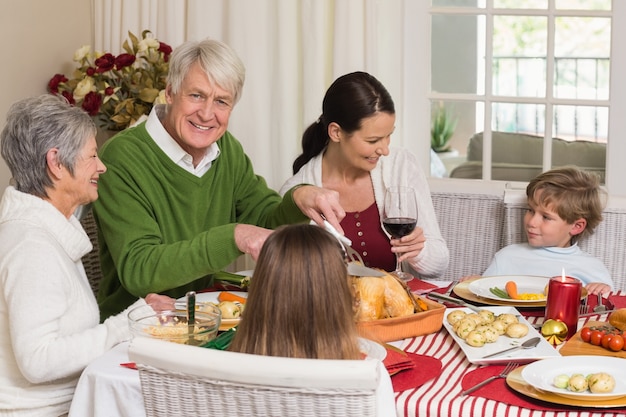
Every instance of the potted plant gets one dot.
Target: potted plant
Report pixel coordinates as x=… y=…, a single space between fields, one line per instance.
x=442 y=128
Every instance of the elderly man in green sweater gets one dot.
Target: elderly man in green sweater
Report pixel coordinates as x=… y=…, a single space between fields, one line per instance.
x=180 y=200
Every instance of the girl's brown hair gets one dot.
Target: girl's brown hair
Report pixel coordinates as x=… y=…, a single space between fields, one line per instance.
x=572 y=193
x=300 y=301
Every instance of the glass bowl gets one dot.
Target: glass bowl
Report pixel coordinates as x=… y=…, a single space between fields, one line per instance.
x=171 y=325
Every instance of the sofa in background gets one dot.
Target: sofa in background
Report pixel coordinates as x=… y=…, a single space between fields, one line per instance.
x=519 y=157
x=477 y=218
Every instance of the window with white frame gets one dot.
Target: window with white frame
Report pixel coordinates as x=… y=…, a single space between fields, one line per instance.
x=521 y=86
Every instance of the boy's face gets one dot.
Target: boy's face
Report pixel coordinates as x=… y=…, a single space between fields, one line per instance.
x=545 y=228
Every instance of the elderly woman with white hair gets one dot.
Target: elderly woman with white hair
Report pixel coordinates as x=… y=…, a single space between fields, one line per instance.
x=49 y=318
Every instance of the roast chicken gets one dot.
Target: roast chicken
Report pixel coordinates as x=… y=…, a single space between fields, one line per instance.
x=380 y=297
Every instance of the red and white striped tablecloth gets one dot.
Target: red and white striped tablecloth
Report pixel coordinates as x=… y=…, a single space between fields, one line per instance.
x=440 y=396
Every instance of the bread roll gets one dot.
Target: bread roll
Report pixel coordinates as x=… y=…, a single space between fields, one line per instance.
x=618 y=319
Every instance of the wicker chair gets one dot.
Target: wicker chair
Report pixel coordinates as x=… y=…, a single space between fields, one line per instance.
x=470 y=219
x=182 y=380
x=91 y=261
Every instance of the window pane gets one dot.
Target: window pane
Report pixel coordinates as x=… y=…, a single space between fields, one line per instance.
x=519 y=118
x=584 y=128
x=519 y=56
x=583 y=4
x=520 y=4
x=581 y=123
x=459 y=3
x=455 y=53
x=582 y=51
x=461 y=117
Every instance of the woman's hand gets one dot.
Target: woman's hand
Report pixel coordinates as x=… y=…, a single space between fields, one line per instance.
x=160 y=302
x=409 y=246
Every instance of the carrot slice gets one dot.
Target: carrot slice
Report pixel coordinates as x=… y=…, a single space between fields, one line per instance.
x=511 y=289
x=421 y=304
x=229 y=296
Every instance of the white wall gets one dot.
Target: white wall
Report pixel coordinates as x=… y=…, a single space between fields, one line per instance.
x=38 y=40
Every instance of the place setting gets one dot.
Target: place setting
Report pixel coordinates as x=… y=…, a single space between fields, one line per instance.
x=532 y=386
x=526 y=372
x=492 y=290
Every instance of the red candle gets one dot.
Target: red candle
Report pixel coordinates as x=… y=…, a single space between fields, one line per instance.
x=563 y=301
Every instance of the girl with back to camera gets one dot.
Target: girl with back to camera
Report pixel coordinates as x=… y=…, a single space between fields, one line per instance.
x=300 y=304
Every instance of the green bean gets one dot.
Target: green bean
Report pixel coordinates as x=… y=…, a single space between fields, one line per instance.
x=499 y=292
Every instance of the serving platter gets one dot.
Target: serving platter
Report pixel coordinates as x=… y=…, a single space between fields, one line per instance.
x=212 y=297
x=463 y=291
x=540 y=375
x=576 y=346
x=517 y=383
x=476 y=355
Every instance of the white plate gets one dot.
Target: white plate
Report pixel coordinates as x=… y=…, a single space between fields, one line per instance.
x=476 y=354
x=541 y=375
x=211 y=297
x=372 y=349
x=525 y=284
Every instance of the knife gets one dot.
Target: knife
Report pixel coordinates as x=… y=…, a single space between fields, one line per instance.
x=453 y=300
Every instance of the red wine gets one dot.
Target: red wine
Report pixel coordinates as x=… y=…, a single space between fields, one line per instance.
x=399 y=226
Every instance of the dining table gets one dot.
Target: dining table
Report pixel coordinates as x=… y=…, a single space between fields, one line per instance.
x=110 y=386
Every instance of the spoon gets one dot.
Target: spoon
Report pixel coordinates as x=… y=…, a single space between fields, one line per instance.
x=191 y=314
x=529 y=344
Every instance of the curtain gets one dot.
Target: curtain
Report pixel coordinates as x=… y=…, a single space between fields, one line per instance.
x=293 y=50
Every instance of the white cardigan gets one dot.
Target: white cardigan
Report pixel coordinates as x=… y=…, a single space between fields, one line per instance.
x=49 y=318
x=400 y=168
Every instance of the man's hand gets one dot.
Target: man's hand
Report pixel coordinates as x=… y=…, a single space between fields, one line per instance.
x=319 y=203
x=250 y=239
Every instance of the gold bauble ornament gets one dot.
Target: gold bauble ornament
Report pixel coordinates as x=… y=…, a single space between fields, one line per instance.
x=554 y=331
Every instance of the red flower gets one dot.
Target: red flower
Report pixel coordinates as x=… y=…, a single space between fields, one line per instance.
x=166 y=49
x=90 y=71
x=105 y=63
x=124 y=60
x=109 y=91
x=69 y=97
x=92 y=103
x=53 y=84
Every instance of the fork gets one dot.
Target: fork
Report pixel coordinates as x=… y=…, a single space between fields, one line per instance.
x=451 y=287
x=584 y=309
x=600 y=308
x=352 y=254
x=505 y=372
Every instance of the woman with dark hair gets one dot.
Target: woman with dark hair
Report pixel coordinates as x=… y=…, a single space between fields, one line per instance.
x=300 y=304
x=347 y=150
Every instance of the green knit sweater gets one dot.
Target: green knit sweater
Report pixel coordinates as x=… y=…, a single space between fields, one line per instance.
x=163 y=229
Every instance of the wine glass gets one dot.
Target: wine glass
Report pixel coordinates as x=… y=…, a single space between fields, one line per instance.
x=400 y=218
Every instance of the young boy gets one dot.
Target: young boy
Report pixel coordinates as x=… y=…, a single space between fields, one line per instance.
x=564 y=206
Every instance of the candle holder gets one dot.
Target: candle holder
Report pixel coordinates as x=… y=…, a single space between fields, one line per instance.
x=563 y=302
